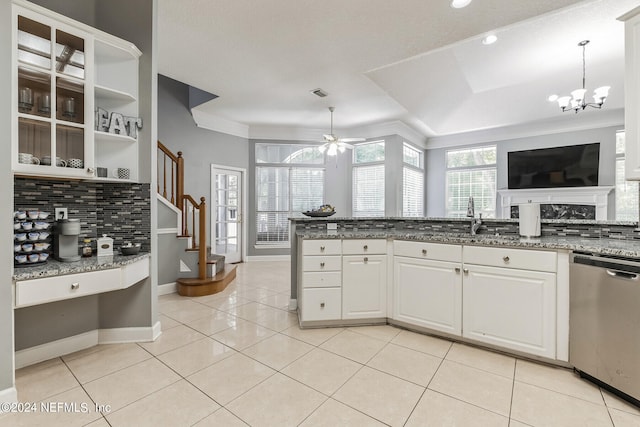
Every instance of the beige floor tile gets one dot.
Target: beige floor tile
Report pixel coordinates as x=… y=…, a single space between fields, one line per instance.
x=104 y=360
x=277 y=320
x=312 y=336
x=39 y=381
x=277 y=351
x=279 y=300
x=221 y=418
x=613 y=401
x=557 y=379
x=474 y=386
x=180 y=404
x=168 y=305
x=435 y=410
x=486 y=360
x=542 y=407
x=322 y=370
x=250 y=311
x=354 y=346
x=624 y=419
x=228 y=304
x=381 y=332
x=278 y=401
x=172 y=339
x=130 y=384
x=216 y=322
x=195 y=356
x=231 y=377
x=333 y=413
x=379 y=395
x=101 y=422
x=427 y=344
x=514 y=423
x=198 y=311
x=167 y=322
x=68 y=409
x=244 y=334
x=402 y=362
x=256 y=294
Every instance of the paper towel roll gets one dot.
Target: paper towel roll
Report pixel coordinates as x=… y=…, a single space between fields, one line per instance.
x=529 y=219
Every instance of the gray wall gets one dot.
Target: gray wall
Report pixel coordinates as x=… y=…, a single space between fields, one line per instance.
x=6 y=206
x=436 y=165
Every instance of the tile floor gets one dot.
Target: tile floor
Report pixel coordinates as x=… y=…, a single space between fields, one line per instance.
x=238 y=358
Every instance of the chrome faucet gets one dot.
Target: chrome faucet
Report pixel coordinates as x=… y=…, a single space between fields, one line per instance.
x=475 y=222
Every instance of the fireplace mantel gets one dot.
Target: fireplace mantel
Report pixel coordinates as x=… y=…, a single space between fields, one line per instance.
x=595 y=196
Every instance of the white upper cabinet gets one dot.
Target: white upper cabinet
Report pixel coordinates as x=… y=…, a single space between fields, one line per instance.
x=632 y=93
x=74 y=97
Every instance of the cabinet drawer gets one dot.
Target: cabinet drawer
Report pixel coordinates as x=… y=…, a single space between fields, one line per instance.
x=321 y=263
x=511 y=258
x=328 y=279
x=321 y=247
x=364 y=246
x=40 y=291
x=426 y=250
x=321 y=304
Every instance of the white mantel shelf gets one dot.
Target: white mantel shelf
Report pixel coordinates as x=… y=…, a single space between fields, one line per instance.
x=595 y=196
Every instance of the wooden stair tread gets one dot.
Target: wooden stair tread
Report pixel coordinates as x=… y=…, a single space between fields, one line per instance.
x=194 y=287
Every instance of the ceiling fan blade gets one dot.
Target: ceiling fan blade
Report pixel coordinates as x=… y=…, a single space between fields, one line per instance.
x=351 y=139
x=344 y=144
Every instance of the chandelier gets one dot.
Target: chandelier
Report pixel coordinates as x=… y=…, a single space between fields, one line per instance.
x=576 y=101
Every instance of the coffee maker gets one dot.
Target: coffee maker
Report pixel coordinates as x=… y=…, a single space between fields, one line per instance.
x=65 y=240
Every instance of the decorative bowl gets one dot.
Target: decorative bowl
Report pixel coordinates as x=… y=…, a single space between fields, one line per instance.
x=129 y=249
x=318 y=213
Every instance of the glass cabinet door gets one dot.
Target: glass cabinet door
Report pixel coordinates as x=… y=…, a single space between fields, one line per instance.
x=51 y=98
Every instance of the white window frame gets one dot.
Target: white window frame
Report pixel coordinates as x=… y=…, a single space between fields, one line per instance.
x=356 y=166
x=488 y=167
x=410 y=168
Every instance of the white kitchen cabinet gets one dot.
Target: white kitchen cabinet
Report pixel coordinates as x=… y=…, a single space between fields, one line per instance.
x=428 y=293
x=509 y=307
x=632 y=93
x=321 y=293
x=62 y=71
x=364 y=279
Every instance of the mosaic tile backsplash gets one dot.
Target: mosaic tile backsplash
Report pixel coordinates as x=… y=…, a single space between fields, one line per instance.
x=120 y=210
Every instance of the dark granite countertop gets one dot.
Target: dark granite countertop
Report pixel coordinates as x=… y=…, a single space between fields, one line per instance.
x=56 y=268
x=619 y=247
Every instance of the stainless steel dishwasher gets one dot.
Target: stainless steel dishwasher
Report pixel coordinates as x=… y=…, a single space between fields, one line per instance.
x=604 y=335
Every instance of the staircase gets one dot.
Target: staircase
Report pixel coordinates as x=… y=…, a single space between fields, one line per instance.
x=213 y=275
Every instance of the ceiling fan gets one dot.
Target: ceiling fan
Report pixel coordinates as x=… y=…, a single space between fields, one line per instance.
x=333 y=144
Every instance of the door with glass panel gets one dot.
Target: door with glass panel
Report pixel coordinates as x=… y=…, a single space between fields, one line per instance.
x=226 y=218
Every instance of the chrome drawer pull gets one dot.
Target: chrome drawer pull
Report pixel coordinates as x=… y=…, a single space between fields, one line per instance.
x=75 y=286
x=365 y=247
x=321 y=248
x=457 y=270
x=322 y=265
x=321 y=305
x=465 y=271
x=366 y=260
x=424 y=252
x=505 y=258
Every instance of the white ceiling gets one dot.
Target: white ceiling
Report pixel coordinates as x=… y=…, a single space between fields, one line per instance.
x=419 y=63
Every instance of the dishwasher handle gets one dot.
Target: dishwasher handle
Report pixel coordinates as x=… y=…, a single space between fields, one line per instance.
x=622 y=274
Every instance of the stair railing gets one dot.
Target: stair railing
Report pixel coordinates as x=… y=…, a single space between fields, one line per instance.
x=199 y=229
x=174 y=193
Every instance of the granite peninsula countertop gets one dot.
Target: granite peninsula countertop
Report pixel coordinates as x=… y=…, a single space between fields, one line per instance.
x=56 y=268
x=605 y=246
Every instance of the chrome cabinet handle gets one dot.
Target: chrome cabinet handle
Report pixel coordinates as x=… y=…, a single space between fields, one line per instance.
x=91 y=171
x=321 y=248
x=457 y=270
x=424 y=252
x=75 y=286
x=505 y=258
x=321 y=305
x=465 y=271
x=322 y=264
x=366 y=260
x=365 y=247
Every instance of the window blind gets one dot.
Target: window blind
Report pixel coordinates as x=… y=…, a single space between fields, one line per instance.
x=368 y=191
x=412 y=192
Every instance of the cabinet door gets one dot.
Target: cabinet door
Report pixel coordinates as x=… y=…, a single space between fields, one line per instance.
x=364 y=286
x=510 y=308
x=632 y=97
x=428 y=294
x=321 y=304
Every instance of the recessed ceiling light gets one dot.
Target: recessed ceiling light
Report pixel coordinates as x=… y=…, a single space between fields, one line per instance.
x=459 y=4
x=490 y=39
x=553 y=98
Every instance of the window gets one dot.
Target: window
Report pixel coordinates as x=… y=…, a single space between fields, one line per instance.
x=289 y=178
x=471 y=172
x=368 y=179
x=412 y=182
x=626 y=191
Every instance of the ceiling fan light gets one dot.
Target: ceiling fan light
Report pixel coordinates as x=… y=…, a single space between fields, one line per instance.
x=341 y=148
x=333 y=150
x=563 y=101
x=459 y=4
x=322 y=148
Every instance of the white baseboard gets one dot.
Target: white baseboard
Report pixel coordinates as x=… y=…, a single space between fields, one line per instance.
x=50 y=350
x=168 y=288
x=9 y=395
x=268 y=258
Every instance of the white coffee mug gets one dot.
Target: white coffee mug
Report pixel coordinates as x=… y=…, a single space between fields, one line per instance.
x=28 y=158
x=121 y=173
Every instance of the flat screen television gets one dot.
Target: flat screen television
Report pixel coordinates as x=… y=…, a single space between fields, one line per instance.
x=569 y=166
